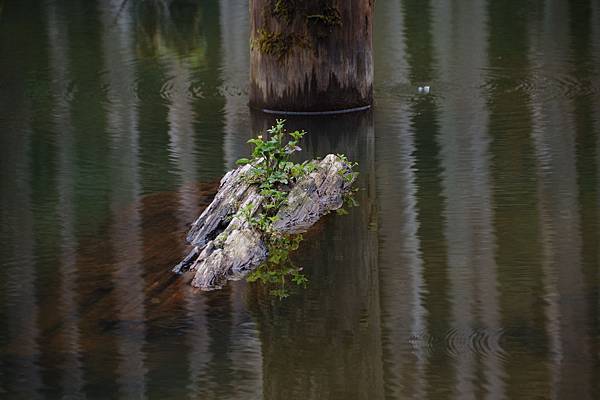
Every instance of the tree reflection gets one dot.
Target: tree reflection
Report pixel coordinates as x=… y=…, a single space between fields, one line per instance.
x=324 y=341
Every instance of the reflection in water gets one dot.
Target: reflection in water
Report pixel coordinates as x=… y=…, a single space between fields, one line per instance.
x=182 y=144
x=390 y=59
x=246 y=351
x=520 y=273
x=182 y=148
x=324 y=342
x=423 y=121
x=198 y=341
x=122 y=126
x=555 y=139
x=400 y=264
x=20 y=355
x=173 y=26
x=470 y=270
x=591 y=231
x=234 y=74
x=72 y=379
x=460 y=43
x=21 y=372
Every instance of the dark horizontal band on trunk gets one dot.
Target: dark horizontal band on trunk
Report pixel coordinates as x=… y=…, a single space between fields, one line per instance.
x=331 y=112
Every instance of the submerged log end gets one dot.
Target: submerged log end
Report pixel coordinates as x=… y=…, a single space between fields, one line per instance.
x=187 y=262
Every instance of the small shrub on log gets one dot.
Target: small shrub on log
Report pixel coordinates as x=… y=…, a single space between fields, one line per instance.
x=260 y=212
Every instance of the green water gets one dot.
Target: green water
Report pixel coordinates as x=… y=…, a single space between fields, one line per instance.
x=471 y=268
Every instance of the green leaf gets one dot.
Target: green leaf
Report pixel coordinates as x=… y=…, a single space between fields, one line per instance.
x=272 y=171
x=341 y=211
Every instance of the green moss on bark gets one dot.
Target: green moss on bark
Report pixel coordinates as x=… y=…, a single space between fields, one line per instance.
x=277 y=44
x=330 y=18
x=318 y=21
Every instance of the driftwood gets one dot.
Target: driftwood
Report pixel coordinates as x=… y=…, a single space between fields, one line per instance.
x=227 y=247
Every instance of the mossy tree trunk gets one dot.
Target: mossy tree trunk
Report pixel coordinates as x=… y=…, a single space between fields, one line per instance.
x=311 y=55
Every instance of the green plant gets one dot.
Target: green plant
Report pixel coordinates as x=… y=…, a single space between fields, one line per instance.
x=279 y=270
x=272 y=169
x=274 y=173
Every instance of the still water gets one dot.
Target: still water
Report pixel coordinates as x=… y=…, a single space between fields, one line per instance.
x=471 y=268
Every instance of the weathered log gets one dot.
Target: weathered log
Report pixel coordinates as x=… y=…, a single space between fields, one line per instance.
x=226 y=246
x=314 y=196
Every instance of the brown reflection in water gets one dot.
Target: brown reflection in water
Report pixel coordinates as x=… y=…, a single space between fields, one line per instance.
x=164 y=294
x=324 y=341
x=164 y=245
x=20 y=362
x=125 y=234
x=100 y=300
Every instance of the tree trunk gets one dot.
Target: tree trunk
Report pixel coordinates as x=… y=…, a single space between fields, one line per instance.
x=311 y=55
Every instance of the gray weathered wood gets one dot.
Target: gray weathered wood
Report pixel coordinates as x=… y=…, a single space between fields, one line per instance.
x=226 y=247
x=313 y=196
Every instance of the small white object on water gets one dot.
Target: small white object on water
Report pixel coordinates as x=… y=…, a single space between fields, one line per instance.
x=424 y=89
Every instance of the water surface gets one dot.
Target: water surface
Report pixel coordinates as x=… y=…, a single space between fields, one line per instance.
x=470 y=270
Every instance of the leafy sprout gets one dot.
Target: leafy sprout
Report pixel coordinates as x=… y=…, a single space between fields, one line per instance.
x=274 y=173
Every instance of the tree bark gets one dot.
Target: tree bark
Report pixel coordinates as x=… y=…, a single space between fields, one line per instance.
x=311 y=55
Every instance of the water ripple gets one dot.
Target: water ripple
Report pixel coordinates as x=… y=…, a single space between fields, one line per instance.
x=543 y=84
x=458 y=342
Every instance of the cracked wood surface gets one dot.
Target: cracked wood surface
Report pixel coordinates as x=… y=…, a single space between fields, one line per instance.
x=227 y=247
